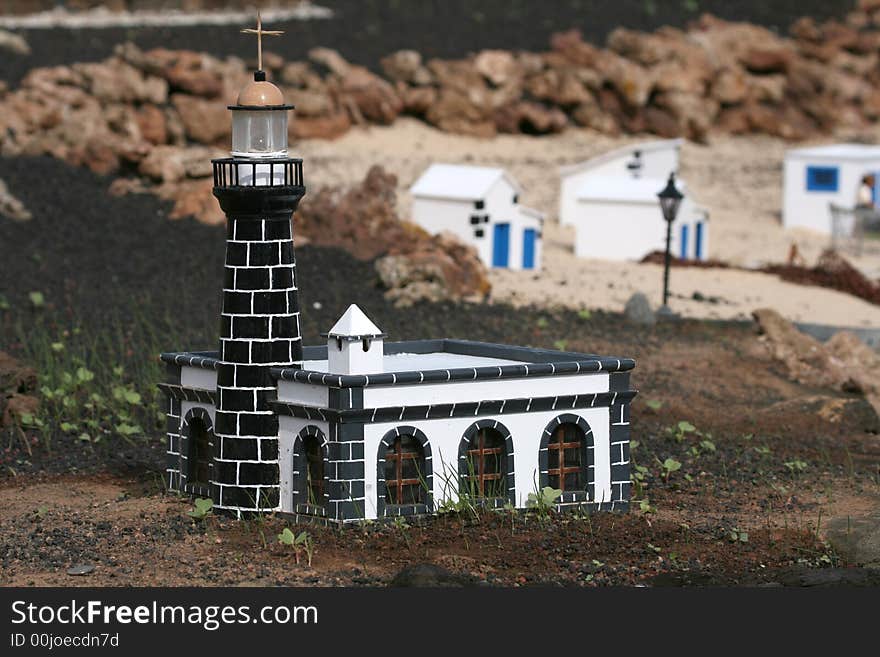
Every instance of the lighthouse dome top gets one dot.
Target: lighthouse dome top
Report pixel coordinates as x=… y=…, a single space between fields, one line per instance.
x=260 y=93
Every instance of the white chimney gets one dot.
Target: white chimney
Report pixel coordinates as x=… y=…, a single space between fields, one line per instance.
x=355 y=344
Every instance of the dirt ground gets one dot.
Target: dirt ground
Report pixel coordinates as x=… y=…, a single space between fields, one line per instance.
x=735 y=515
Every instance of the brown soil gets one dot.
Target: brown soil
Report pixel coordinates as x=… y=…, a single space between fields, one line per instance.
x=720 y=379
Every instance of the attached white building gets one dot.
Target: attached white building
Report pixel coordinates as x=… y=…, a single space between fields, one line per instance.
x=612 y=202
x=817 y=176
x=480 y=205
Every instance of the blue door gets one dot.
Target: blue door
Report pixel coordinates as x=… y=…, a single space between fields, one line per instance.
x=501 y=245
x=875 y=191
x=698 y=247
x=528 y=248
x=684 y=242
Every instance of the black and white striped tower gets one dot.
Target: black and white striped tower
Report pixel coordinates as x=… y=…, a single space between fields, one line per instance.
x=258 y=187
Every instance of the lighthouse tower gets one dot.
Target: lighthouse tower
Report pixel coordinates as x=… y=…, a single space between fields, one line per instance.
x=259 y=188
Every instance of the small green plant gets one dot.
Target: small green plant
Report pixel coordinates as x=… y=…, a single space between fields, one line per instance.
x=669 y=466
x=204 y=507
x=681 y=430
x=654 y=404
x=796 y=467
x=560 y=344
x=302 y=542
x=542 y=323
x=42 y=511
x=37 y=299
x=543 y=501
x=737 y=535
x=585 y=314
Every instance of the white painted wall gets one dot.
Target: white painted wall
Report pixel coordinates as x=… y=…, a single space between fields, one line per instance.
x=611 y=230
x=186 y=407
x=198 y=377
x=471 y=391
x=303 y=393
x=349 y=357
x=436 y=215
x=288 y=430
x=526 y=430
x=809 y=209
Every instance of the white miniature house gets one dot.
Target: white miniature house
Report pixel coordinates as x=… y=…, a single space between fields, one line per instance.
x=815 y=177
x=480 y=205
x=611 y=200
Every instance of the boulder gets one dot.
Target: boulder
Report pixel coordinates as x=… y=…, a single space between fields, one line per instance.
x=406 y=66
x=632 y=81
x=374 y=97
x=530 y=118
x=559 y=87
x=437 y=269
x=730 y=86
x=194 y=73
x=195 y=199
x=462 y=113
x=18 y=385
x=322 y=127
x=174 y=163
x=638 y=310
x=152 y=124
x=115 y=81
x=497 y=66
x=10 y=206
x=204 y=121
x=856 y=539
x=573 y=48
x=843 y=363
x=14 y=43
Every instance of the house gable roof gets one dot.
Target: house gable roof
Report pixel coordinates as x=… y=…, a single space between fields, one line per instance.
x=617 y=153
x=460 y=182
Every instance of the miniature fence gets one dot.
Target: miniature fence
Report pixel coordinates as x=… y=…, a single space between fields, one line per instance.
x=239 y=172
x=851 y=226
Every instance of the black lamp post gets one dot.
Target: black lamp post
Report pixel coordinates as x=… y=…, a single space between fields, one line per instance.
x=670 y=202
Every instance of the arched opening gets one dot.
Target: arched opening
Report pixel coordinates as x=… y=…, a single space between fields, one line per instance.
x=314 y=470
x=199 y=456
x=485 y=460
x=566 y=458
x=405 y=471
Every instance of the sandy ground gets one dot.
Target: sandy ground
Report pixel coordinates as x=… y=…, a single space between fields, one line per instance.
x=742 y=192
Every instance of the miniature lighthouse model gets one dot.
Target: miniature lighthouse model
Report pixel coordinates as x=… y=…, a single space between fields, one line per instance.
x=360 y=428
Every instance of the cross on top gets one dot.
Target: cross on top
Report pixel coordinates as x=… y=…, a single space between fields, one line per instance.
x=260 y=32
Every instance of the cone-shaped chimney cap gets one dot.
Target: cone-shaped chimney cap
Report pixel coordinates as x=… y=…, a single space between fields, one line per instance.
x=354 y=325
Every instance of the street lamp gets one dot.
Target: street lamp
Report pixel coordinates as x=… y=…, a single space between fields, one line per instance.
x=670 y=201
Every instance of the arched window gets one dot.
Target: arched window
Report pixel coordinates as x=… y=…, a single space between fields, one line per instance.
x=314 y=470
x=485 y=462
x=405 y=471
x=566 y=462
x=199 y=453
x=310 y=469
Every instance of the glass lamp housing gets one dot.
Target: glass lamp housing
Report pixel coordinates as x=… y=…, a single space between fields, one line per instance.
x=259 y=133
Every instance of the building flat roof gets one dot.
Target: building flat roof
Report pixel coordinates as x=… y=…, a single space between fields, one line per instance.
x=433 y=361
x=837 y=151
x=460 y=181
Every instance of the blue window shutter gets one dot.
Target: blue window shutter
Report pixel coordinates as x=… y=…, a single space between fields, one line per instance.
x=822 y=179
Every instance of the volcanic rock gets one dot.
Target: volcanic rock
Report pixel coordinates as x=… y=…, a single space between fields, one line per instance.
x=10 y=206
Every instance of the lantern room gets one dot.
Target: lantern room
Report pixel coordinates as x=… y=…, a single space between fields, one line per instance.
x=259 y=121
